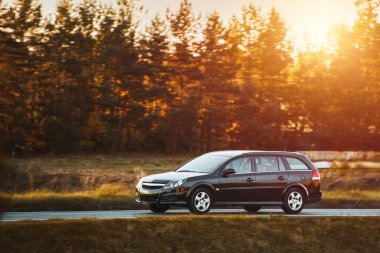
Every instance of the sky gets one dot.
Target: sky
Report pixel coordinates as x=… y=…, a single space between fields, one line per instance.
x=311 y=17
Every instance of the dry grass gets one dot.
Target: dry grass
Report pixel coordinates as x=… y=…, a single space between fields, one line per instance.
x=350 y=199
x=106 y=197
x=106 y=190
x=107 y=182
x=130 y=163
x=353 y=195
x=194 y=234
x=80 y=173
x=116 y=197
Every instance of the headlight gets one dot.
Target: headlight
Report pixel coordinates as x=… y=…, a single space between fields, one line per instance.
x=139 y=184
x=175 y=183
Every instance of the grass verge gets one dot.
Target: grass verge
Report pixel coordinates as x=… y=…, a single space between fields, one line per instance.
x=194 y=234
x=119 y=197
x=349 y=199
x=106 y=197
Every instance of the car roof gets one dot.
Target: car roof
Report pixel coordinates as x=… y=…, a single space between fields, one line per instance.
x=232 y=153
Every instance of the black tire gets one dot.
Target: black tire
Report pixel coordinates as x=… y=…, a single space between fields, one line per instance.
x=294 y=201
x=159 y=208
x=252 y=209
x=201 y=201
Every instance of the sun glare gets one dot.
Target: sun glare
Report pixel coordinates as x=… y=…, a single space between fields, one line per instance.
x=311 y=17
x=315 y=19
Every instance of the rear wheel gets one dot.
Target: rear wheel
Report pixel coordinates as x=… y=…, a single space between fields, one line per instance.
x=294 y=201
x=201 y=201
x=252 y=209
x=159 y=208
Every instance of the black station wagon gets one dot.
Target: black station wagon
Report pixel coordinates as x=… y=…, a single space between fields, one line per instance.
x=250 y=179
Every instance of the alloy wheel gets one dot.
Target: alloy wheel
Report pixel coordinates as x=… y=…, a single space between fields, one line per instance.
x=202 y=201
x=295 y=200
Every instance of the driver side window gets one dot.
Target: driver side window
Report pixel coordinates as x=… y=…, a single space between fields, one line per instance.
x=240 y=165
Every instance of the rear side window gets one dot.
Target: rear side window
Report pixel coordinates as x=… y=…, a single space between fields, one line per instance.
x=266 y=163
x=296 y=164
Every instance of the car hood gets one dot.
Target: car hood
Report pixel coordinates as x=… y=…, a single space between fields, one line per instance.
x=169 y=176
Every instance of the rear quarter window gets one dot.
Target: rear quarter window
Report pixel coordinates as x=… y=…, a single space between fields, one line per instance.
x=296 y=164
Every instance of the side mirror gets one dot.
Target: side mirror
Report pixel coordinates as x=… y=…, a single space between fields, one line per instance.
x=227 y=172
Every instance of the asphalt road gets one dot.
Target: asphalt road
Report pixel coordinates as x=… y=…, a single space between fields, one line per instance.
x=17 y=216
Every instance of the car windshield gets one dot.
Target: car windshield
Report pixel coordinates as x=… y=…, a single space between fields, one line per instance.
x=203 y=164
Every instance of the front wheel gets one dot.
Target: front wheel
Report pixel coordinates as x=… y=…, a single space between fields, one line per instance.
x=252 y=209
x=200 y=201
x=159 y=208
x=293 y=202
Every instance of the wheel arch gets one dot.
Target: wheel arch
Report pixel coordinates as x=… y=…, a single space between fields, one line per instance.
x=205 y=185
x=297 y=186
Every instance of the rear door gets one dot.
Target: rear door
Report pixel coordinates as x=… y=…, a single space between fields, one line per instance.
x=299 y=172
x=237 y=187
x=270 y=178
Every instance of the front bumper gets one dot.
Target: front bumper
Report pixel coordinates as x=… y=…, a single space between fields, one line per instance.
x=175 y=197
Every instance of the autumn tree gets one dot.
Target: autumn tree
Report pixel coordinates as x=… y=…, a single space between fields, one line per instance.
x=155 y=61
x=264 y=77
x=19 y=26
x=216 y=91
x=91 y=78
x=182 y=118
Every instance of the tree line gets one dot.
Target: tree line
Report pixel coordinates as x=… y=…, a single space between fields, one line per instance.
x=91 y=78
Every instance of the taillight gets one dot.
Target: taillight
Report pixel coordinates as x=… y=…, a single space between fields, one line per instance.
x=316 y=176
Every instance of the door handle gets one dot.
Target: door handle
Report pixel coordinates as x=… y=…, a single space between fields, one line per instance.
x=281 y=178
x=249 y=179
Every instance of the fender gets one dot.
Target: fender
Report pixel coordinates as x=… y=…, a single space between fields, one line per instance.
x=207 y=184
x=295 y=184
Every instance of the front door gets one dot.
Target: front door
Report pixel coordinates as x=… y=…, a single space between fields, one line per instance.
x=270 y=178
x=237 y=187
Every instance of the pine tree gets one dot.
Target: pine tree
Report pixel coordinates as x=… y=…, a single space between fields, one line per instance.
x=120 y=78
x=184 y=70
x=216 y=90
x=155 y=51
x=367 y=40
x=308 y=115
x=68 y=104
x=19 y=26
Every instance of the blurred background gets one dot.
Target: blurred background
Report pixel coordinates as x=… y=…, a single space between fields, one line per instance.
x=96 y=94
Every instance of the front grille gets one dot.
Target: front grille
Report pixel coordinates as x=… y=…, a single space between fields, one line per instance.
x=149 y=198
x=152 y=187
